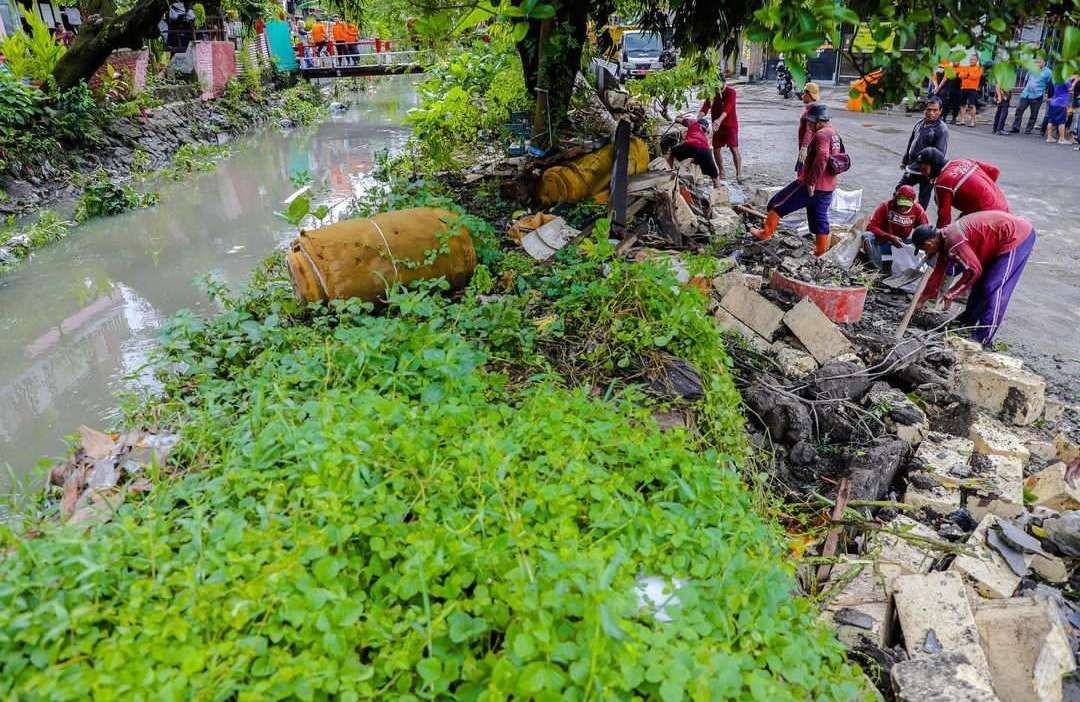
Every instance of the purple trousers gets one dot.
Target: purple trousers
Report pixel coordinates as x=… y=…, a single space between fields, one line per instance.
x=990 y=295
x=796 y=197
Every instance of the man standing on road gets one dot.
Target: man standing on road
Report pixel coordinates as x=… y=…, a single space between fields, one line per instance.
x=964 y=183
x=991 y=249
x=928 y=131
x=891 y=225
x=813 y=188
x=811 y=94
x=725 y=125
x=1032 y=96
x=970 y=79
x=1001 y=98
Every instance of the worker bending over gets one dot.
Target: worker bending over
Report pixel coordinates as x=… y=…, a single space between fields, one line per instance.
x=891 y=225
x=813 y=188
x=695 y=146
x=964 y=183
x=991 y=249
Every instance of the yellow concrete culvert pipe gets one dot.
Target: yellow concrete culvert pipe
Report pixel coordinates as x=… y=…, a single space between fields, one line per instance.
x=363 y=257
x=587 y=175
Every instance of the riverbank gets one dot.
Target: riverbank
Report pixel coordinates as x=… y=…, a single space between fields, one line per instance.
x=172 y=140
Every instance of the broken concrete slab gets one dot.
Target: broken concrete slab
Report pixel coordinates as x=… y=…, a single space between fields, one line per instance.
x=930 y=491
x=722 y=284
x=1014 y=394
x=1043 y=450
x=753 y=310
x=1067 y=450
x=987 y=569
x=906 y=548
x=724 y=320
x=1053 y=410
x=1064 y=533
x=999 y=476
x=1050 y=568
x=941 y=453
x=1050 y=489
x=936 y=617
x=725 y=222
x=821 y=337
x=862 y=607
x=794 y=364
x=945 y=677
x=992 y=438
x=1027 y=648
x=676 y=218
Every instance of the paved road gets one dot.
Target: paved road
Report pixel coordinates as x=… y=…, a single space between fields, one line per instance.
x=1042 y=183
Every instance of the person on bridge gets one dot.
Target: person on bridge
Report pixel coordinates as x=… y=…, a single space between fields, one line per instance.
x=696 y=148
x=813 y=188
x=891 y=225
x=341 y=41
x=991 y=249
x=964 y=183
x=725 y=126
x=928 y=131
x=811 y=94
x=318 y=38
x=352 y=36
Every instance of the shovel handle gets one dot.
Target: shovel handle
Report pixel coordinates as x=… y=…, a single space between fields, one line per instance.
x=914 y=304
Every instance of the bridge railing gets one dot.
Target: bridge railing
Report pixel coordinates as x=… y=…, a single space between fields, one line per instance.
x=388 y=59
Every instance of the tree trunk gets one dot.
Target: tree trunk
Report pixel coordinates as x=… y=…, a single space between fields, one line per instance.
x=102 y=34
x=556 y=53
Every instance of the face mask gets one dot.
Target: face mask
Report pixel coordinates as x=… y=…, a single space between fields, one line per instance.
x=904 y=205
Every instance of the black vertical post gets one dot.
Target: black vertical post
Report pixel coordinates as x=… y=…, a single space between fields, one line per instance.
x=620 y=173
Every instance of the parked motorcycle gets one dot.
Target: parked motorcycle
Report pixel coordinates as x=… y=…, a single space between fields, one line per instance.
x=785 y=85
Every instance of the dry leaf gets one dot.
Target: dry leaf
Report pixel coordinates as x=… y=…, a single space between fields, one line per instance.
x=72 y=488
x=95 y=444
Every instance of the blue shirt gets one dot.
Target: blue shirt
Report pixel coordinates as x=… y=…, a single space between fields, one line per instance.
x=1036 y=84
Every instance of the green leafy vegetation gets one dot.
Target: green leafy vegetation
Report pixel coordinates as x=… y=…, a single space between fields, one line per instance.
x=103 y=197
x=195 y=158
x=448 y=498
x=32 y=54
x=465 y=104
x=19 y=243
x=671 y=87
x=302 y=104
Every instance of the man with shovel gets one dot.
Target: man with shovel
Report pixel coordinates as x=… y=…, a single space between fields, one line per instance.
x=990 y=248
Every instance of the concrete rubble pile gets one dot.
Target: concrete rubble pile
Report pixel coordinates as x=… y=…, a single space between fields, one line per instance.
x=961 y=527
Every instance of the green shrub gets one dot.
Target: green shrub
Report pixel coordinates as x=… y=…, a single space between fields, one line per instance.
x=378 y=516
x=21 y=106
x=32 y=55
x=73 y=116
x=465 y=97
x=102 y=197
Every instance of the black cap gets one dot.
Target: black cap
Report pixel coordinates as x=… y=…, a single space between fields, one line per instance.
x=933 y=156
x=817 y=113
x=923 y=233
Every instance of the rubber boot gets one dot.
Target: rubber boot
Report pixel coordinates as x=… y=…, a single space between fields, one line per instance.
x=821 y=244
x=772 y=221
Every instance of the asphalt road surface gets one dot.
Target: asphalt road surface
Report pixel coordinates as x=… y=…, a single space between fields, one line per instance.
x=1041 y=181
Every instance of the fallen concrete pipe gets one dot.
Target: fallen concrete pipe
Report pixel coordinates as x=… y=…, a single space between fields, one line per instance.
x=363 y=257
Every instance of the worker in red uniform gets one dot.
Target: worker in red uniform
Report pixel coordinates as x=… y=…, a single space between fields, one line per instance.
x=811 y=94
x=813 y=188
x=964 y=183
x=891 y=225
x=696 y=148
x=725 y=126
x=991 y=249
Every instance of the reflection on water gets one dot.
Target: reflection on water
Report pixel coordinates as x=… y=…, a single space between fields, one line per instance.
x=77 y=320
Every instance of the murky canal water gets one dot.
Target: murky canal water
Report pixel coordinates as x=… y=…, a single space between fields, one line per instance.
x=77 y=321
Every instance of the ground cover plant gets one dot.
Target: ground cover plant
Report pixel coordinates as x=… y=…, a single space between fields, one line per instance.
x=427 y=500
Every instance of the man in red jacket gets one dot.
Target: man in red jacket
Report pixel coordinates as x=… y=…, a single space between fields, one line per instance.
x=964 y=183
x=892 y=223
x=991 y=249
x=696 y=148
x=813 y=188
x=725 y=125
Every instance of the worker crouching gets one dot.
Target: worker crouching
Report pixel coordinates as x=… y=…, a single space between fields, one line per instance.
x=891 y=225
x=991 y=249
x=813 y=188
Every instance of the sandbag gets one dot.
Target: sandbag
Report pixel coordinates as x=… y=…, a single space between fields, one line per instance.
x=589 y=174
x=362 y=257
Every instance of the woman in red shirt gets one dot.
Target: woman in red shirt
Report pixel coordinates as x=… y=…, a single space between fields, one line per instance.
x=725 y=125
